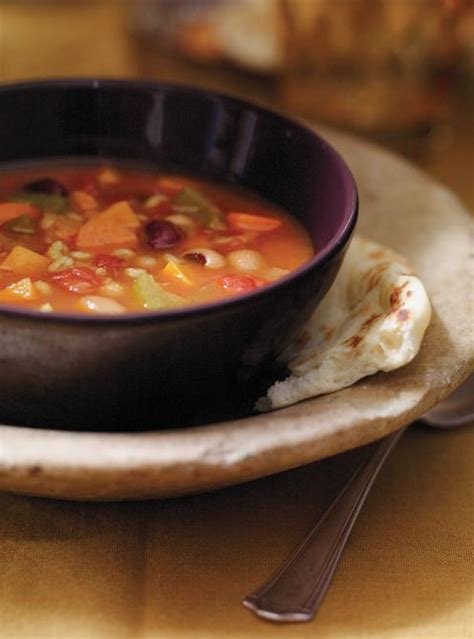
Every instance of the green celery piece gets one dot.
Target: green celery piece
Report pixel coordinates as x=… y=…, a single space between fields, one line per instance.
x=23 y=224
x=206 y=212
x=153 y=296
x=47 y=203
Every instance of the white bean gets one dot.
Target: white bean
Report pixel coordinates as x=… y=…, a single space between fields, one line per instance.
x=102 y=305
x=245 y=260
x=213 y=259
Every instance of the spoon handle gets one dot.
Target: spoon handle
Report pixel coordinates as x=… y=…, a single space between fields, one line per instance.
x=296 y=590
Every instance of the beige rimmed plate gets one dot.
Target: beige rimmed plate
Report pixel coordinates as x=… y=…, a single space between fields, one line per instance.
x=400 y=207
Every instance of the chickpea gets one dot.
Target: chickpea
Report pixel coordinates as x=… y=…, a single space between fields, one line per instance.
x=246 y=260
x=101 y=305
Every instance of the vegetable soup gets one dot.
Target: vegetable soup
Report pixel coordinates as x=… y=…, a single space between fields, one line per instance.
x=107 y=240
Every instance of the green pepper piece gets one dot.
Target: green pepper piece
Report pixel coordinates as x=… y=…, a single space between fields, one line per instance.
x=23 y=224
x=152 y=296
x=47 y=203
x=201 y=208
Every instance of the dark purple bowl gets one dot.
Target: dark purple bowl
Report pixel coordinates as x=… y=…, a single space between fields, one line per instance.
x=176 y=367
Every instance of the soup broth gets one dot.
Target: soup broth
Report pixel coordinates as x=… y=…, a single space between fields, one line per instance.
x=108 y=240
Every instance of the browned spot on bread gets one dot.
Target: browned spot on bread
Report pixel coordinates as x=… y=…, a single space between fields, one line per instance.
x=409 y=293
x=329 y=334
x=396 y=296
x=354 y=341
x=34 y=470
x=368 y=322
x=403 y=315
x=374 y=275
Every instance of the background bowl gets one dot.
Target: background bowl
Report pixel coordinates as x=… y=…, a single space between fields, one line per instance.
x=177 y=367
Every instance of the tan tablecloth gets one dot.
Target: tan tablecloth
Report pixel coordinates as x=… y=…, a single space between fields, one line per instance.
x=179 y=568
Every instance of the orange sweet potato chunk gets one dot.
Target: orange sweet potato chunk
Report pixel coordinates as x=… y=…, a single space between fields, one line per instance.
x=116 y=227
x=25 y=262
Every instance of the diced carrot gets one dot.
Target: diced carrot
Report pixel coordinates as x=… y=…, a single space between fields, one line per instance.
x=25 y=262
x=23 y=289
x=12 y=210
x=171 y=185
x=82 y=201
x=116 y=227
x=248 y=222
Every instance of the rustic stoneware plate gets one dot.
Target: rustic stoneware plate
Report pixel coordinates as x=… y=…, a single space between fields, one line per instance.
x=400 y=207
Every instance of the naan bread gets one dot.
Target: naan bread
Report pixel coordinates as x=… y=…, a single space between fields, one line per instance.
x=373 y=319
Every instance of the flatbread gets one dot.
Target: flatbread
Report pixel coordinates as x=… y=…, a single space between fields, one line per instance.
x=373 y=319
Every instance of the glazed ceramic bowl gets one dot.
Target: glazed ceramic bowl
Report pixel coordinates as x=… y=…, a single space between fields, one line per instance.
x=185 y=366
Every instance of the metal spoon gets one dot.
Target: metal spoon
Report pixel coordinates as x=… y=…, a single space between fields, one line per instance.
x=296 y=590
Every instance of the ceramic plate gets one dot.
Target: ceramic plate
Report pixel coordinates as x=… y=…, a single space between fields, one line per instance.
x=400 y=207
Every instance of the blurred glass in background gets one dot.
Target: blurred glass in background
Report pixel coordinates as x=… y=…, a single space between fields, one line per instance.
x=379 y=66
x=373 y=65
x=398 y=71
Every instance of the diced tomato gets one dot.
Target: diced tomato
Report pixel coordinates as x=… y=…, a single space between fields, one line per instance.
x=248 y=222
x=78 y=279
x=111 y=263
x=239 y=283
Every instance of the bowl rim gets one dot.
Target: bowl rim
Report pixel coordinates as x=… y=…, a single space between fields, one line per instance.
x=322 y=257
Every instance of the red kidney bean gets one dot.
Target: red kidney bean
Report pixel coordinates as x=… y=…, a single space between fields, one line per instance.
x=48 y=186
x=162 y=234
x=196 y=257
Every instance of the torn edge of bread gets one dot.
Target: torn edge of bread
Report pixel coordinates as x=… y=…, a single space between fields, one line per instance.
x=373 y=319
